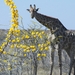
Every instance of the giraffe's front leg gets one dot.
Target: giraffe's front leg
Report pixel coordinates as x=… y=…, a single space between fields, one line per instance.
x=52 y=57
x=60 y=60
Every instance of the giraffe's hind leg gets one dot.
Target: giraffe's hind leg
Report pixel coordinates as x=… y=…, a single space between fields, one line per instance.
x=71 y=64
x=72 y=53
x=52 y=57
x=74 y=66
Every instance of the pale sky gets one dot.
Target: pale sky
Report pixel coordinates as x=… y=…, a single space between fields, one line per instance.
x=64 y=10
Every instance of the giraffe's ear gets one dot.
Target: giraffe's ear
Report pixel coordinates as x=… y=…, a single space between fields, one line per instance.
x=28 y=10
x=37 y=9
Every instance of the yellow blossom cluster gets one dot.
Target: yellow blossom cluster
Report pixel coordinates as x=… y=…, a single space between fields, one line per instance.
x=43 y=54
x=21 y=45
x=27 y=49
x=35 y=42
x=37 y=34
x=14 y=14
x=34 y=34
x=39 y=55
x=14 y=26
x=14 y=18
x=44 y=46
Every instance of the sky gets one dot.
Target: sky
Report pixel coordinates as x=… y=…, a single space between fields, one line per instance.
x=64 y=10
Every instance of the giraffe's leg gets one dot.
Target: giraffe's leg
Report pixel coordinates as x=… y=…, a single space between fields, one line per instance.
x=60 y=60
x=74 y=66
x=52 y=57
x=71 y=64
x=71 y=60
x=72 y=53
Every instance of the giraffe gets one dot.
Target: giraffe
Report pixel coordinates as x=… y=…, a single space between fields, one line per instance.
x=64 y=38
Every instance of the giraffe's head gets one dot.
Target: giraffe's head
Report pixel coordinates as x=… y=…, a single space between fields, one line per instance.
x=33 y=10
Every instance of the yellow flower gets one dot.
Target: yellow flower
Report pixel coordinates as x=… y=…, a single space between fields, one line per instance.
x=41 y=49
x=24 y=46
x=17 y=46
x=11 y=2
x=32 y=46
x=13 y=25
x=11 y=6
x=25 y=55
x=38 y=55
x=17 y=40
x=21 y=45
x=42 y=32
x=1 y=50
x=4 y=52
x=9 y=33
x=33 y=32
x=18 y=31
x=13 y=40
x=28 y=51
x=12 y=46
x=27 y=36
x=39 y=45
x=40 y=36
x=9 y=40
x=46 y=48
x=48 y=43
x=3 y=44
x=17 y=23
x=44 y=55
x=34 y=36
x=25 y=50
x=27 y=47
x=33 y=49
x=37 y=33
x=11 y=29
x=6 y=39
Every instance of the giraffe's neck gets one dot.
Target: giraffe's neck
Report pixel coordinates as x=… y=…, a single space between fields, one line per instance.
x=52 y=23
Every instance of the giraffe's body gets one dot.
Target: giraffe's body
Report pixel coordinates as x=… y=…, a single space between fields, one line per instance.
x=65 y=39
